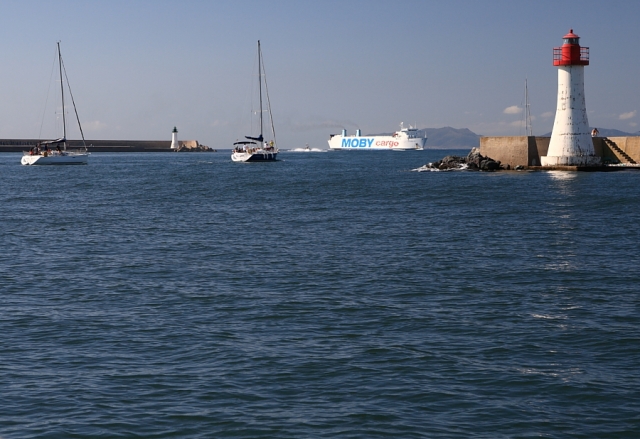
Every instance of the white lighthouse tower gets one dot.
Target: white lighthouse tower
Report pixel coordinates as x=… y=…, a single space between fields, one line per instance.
x=571 y=143
x=174 y=139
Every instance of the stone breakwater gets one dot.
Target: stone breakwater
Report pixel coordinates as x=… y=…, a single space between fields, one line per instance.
x=19 y=145
x=474 y=161
x=197 y=148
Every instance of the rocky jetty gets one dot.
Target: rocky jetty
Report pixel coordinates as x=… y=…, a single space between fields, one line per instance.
x=185 y=147
x=474 y=161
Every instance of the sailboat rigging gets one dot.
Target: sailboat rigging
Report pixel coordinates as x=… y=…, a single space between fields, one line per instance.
x=255 y=148
x=41 y=154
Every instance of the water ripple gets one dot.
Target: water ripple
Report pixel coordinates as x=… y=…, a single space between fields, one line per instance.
x=328 y=295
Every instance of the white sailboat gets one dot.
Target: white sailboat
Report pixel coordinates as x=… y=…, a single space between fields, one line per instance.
x=257 y=149
x=49 y=152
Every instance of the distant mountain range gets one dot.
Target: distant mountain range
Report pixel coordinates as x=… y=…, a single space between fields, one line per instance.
x=462 y=138
x=451 y=138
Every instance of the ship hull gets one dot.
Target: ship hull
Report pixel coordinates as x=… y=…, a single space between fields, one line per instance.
x=340 y=142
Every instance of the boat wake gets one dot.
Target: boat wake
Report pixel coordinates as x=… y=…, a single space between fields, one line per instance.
x=429 y=168
x=307 y=150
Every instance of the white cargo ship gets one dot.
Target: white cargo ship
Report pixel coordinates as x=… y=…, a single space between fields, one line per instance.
x=405 y=138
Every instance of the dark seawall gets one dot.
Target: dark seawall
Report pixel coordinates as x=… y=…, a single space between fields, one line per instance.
x=18 y=145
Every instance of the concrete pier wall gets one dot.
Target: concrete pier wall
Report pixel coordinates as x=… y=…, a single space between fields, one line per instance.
x=515 y=150
x=629 y=145
x=527 y=150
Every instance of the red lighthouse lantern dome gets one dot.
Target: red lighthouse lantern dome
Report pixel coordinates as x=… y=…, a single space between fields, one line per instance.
x=571 y=38
x=571 y=54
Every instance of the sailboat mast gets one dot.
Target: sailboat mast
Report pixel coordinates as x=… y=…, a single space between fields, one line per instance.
x=64 y=120
x=260 y=84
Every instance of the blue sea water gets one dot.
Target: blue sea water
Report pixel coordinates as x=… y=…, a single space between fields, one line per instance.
x=329 y=294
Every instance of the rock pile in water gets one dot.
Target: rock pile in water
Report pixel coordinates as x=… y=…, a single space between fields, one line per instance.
x=196 y=148
x=474 y=161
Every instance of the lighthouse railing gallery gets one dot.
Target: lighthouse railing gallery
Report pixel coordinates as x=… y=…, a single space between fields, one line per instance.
x=563 y=56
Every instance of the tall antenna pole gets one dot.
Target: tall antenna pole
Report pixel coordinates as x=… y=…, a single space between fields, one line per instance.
x=528 y=126
x=64 y=120
x=260 y=84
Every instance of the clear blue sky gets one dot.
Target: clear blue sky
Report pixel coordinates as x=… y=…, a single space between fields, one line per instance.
x=139 y=67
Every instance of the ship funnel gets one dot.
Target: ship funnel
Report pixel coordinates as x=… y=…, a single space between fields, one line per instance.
x=358 y=133
x=344 y=133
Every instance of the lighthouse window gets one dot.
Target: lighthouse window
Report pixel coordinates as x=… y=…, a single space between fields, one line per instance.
x=570 y=41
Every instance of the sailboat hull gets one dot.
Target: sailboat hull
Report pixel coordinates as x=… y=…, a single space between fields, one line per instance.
x=55 y=159
x=258 y=156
